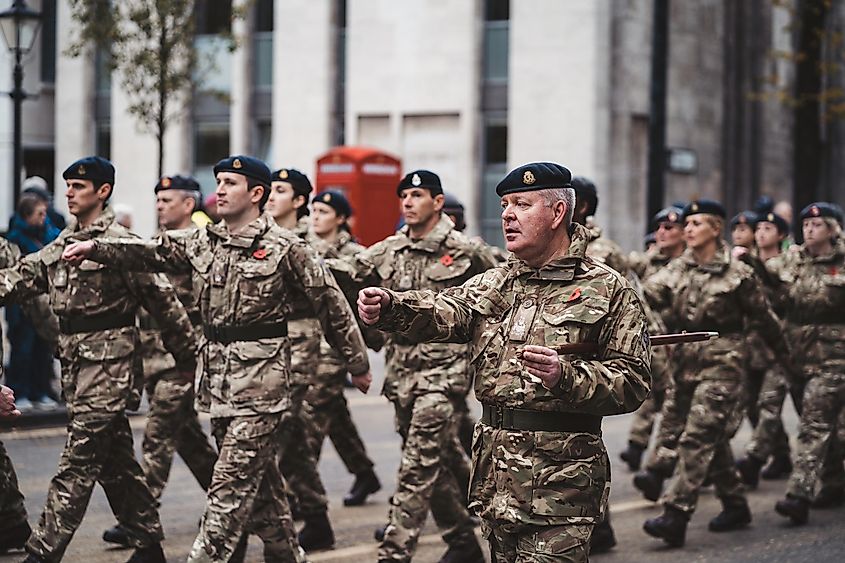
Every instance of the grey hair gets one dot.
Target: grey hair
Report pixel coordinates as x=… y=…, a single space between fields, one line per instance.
x=194 y=195
x=566 y=195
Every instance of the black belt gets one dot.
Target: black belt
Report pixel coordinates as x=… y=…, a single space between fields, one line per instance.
x=146 y=322
x=226 y=334
x=539 y=421
x=69 y=325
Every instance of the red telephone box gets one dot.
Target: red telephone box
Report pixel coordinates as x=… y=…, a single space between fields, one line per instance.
x=368 y=178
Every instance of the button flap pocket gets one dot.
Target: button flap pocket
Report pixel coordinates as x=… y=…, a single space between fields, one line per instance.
x=587 y=310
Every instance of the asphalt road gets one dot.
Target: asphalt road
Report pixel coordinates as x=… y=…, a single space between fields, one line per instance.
x=36 y=452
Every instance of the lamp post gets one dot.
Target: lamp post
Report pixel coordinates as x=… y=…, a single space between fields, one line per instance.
x=20 y=26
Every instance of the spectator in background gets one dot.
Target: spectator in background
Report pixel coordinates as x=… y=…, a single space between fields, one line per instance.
x=30 y=371
x=210 y=207
x=123 y=215
x=37 y=185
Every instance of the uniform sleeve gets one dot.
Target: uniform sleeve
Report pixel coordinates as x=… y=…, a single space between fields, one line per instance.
x=40 y=314
x=760 y=317
x=330 y=306
x=28 y=278
x=166 y=253
x=657 y=290
x=620 y=379
x=158 y=297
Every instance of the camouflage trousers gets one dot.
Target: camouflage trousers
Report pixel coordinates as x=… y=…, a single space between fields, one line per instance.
x=541 y=544
x=642 y=423
x=173 y=426
x=664 y=456
x=298 y=463
x=98 y=450
x=713 y=411
x=769 y=437
x=246 y=495
x=819 y=452
x=466 y=424
x=425 y=480
x=12 y=510
x=332 y=418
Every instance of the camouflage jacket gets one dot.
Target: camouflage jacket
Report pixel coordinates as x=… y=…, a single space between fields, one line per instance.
x=101 y=371
x=443 y=258
x=604 y=250
x=813 y=301
x=241 y=279
x=646 y=264
x=543 y=478
x=724 y=296
x=760 y=356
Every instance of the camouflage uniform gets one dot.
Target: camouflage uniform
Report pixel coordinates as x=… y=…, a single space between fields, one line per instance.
x=540 y=493
x=424 y=382
x=101 y=378
x=814 y=300
x=242 y=285
x=727 y=297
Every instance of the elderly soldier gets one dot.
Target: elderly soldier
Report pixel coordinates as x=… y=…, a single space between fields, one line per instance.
x=815 y=300
x=540 y=470
x=329 y=216
x=706 y=290
x=424 y=381
x=244 y=272
x=101 y=375
x=172 y=424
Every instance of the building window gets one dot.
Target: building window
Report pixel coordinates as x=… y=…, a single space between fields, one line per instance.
x=263 y=44
x=264 y=15
x=102 y=142
x=497 y=10
x=213 y=17
x=211 y=143
x=495 y=158
x=48 y=41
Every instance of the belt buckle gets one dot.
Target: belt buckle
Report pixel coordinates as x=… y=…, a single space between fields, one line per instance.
x=498 y=416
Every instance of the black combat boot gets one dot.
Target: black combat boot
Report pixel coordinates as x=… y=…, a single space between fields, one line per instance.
x=463 y=548
x=317 y=533
x=779 y=467
x=749 y=470
x=14 y=537
x=603 y=538
x=365 y=485
x=650 y=484
x=33 y=559
x=633 y=456
x=671 y=526
x=150 y=554
x=794 y=508
x=829 y=498
x=117 y=535
x=379 y=532
x=732 y=517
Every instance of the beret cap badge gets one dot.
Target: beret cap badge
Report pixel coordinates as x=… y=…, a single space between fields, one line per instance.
x=165 y=182
x=80 y=170
x=694 y=207
x=814 y=211
x=673 y=217
x=237 y=164
x=327 y=197
x=283 y=174
x=416 y=180
x=770 y=217
x=528 y=178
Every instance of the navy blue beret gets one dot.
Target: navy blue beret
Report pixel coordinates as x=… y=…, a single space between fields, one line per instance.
x=94 y=168
x=420 y=179
x=177 y=182
x=704 y=206
x=822 y=209
x=669 y=214
x=300 y=182
x=778 y=221
x=245 y=166
x=452 y=205
x=336 y=201
x=535 y=176
x=745 y=218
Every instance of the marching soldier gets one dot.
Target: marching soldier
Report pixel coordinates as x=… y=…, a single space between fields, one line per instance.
x=540 y=470
x=288 y=203
x=172 y=423
x=101 y=367
x=244 y=271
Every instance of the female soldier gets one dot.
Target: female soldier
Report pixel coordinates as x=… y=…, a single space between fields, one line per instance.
x=706 y=290
x=814 y=302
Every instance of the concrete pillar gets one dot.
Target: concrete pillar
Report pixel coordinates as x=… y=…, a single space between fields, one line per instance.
x=242 y=63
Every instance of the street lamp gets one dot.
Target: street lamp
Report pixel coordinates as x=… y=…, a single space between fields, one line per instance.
x=20 y=26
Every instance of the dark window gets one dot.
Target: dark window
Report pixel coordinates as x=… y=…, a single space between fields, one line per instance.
x=103 y=141
x=48 y=41
x=211 y=143
x=495 y=143
x=264 y=15
x=497 y=10
x=213 y=16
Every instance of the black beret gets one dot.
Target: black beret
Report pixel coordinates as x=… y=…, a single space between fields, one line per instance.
x=300 y=182
x=245 y=166
x=535 y=176
x=452 y=204
x=669 y=214
x=421 y=179
x=778 y=221
x=745 y=218
x=822 y=209
x=177 y=182
x=704 y=206
x=94 y=168
x=584 y=187
x=336 y=201
x=650 y=238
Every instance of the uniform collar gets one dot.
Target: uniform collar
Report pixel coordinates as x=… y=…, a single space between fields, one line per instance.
x=246 y=238
x=100 y=225
x=565 y=267
x=721 y=260
x=430 y=242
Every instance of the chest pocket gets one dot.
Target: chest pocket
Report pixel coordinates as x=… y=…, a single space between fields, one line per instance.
x=257 y=276
x=579 y=321
x=89 y=285
x=201 y=263
x=443 y=274
x=493 y=309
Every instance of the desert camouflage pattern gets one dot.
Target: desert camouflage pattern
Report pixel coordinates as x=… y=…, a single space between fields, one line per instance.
x=12 y=509
x=646 y=264
x=525 y=479
x=242 y=279
x=549 y=544
x=37 y=308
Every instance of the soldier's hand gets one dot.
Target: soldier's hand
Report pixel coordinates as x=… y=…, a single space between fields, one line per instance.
x=7 y=403
x=362 y=382
x=543 y=363
x=738 y=252
x=76 y=252
x=371 y=301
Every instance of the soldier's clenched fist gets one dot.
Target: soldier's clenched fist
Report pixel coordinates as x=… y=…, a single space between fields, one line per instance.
x=371 y=301
x=76 y=252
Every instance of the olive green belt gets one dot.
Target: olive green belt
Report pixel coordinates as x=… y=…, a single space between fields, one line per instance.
x=539 y=421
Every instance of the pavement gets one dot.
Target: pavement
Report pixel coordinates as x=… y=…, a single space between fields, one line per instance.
x=35 y=452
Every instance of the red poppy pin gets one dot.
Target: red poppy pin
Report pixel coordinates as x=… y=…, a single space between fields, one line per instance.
x=832 y=271
x=446 y=260
x=575 y=295
x=260 y=254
